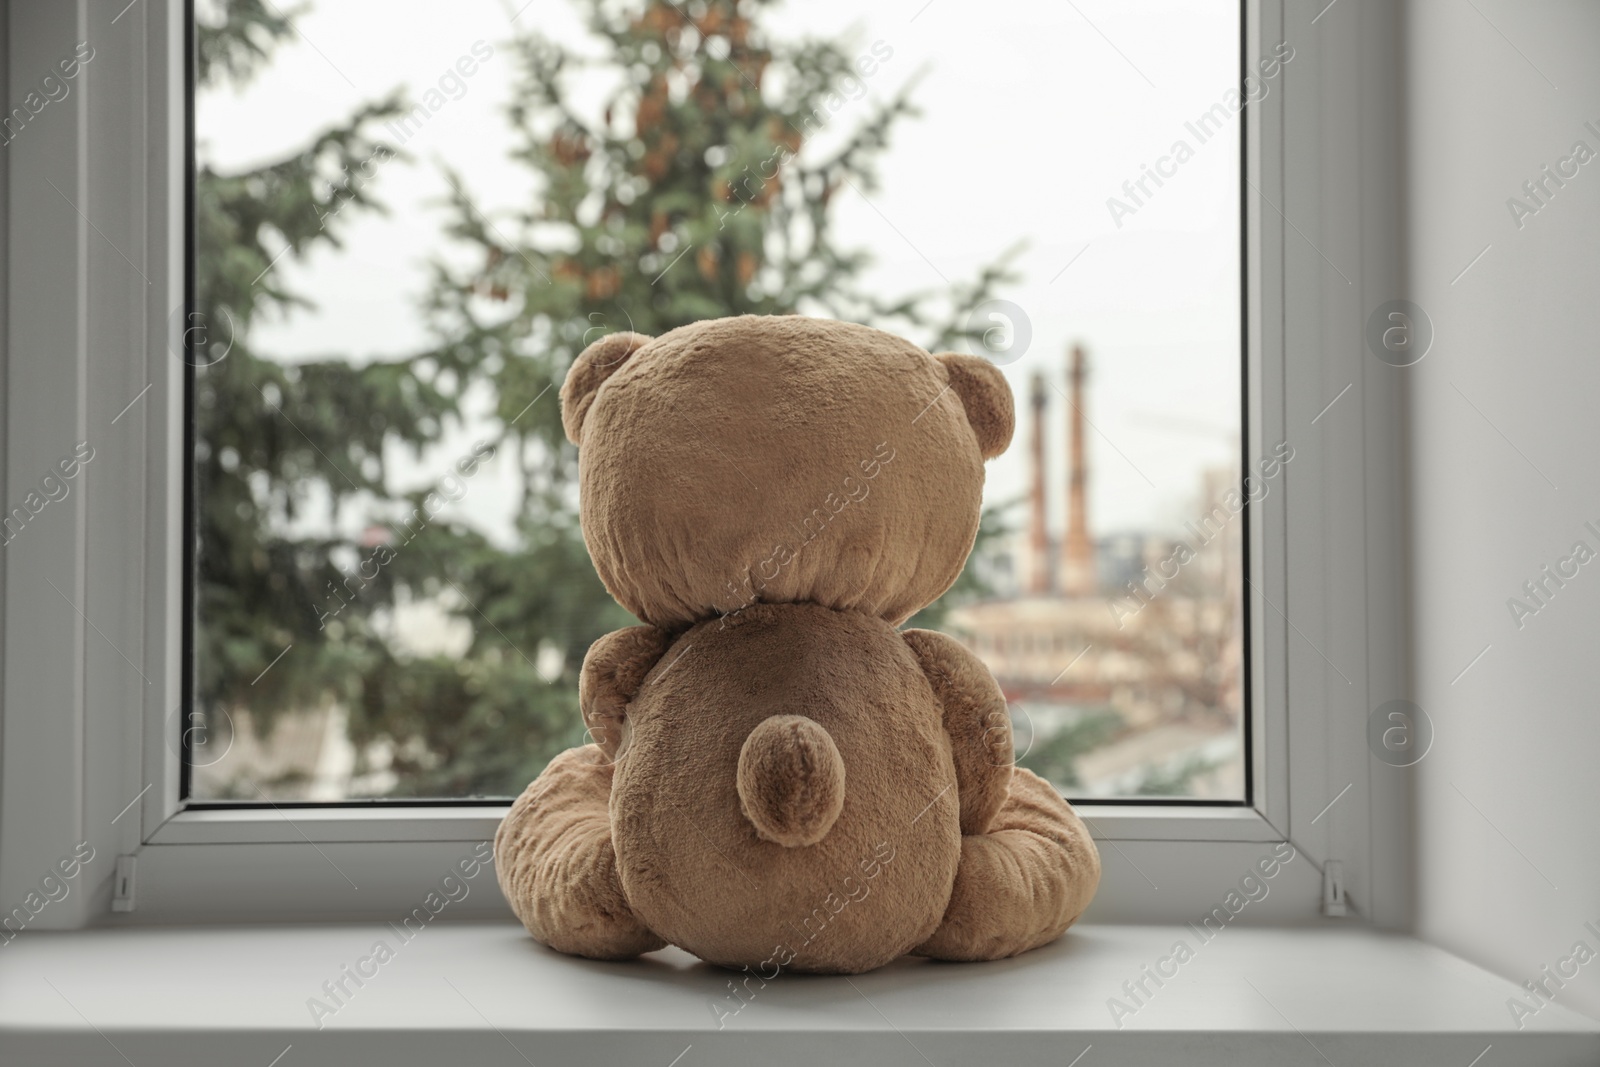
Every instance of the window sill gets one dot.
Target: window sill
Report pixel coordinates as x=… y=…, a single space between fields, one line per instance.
x=462 y=993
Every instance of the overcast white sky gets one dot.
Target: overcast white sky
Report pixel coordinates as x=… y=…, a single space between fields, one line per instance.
x=1033 y=115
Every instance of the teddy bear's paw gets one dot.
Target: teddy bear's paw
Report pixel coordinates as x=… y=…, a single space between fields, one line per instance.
x=1021 y=884
x=557 y=867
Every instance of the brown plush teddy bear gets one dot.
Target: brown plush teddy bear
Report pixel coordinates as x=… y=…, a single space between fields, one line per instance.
x=780 y=779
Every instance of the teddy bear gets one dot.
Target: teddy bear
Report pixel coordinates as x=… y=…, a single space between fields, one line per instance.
x=780 y=778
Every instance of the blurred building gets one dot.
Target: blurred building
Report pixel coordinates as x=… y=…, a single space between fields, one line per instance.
x=1140 y=628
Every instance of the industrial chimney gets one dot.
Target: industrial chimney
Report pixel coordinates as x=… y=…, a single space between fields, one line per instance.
x=1038 y=536
x=1077 y=552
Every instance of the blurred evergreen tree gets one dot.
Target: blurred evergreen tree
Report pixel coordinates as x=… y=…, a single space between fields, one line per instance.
x=1054 y=758
x=688 y=196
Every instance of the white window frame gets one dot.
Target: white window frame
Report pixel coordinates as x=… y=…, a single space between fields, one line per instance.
x=91 y=687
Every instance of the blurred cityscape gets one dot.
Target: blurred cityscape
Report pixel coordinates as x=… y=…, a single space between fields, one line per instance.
x=1121 y=655
x=394 y=308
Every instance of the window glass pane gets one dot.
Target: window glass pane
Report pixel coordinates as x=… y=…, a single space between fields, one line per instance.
x=409 y=223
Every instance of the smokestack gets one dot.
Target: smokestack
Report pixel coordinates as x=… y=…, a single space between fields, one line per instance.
x=1038 y=537
x=1077 y=552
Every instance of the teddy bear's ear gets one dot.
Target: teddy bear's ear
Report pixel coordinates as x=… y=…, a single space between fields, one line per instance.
x=985 y=396
x=589 y=372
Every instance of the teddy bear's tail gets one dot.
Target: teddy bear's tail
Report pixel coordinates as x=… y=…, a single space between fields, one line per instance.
x=791 y=780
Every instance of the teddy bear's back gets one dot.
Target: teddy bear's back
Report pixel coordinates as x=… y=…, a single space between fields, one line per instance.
x=693 y=866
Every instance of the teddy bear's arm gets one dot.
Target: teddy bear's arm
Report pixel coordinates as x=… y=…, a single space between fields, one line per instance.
x=977 y=720
x=613 y=671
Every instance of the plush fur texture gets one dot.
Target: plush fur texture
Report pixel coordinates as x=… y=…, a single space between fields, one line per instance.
x=790 y=780
x=780 y=778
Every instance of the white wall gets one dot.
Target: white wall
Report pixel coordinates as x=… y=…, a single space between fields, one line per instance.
x=1504 y=476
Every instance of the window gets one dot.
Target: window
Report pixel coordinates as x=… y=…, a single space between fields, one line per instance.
x=100 y=709
x=406 y=228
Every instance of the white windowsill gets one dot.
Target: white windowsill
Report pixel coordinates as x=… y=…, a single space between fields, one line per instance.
x=486 y=993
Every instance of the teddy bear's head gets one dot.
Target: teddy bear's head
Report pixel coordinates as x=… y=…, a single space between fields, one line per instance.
x=777 y=459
